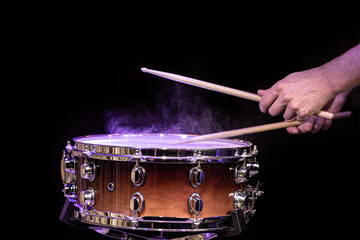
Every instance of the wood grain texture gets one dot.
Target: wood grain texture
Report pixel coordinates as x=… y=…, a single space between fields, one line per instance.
x=166 y=189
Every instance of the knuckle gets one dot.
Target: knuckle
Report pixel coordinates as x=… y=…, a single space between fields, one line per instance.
x=302 y=113
x=287 y=97
x=293 y=106
x=281 y=86
x=300 y=119
x=300 y=116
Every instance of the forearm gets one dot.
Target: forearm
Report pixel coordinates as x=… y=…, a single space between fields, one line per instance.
x=343 y=72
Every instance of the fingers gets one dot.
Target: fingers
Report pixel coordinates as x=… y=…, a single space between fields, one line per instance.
x=274 y=101
x=289 y=114
x=312 y=125
x=272 y=104
x=293 y=130
x=308 y=125
x=300 y=116
x=268 y=98
x=327 y=124
x=305 y=127
x=319 y=123
x=276 y=108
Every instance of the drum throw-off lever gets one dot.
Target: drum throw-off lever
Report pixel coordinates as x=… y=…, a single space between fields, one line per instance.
x=245 y=199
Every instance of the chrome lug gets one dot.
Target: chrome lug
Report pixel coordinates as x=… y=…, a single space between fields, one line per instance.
x=87 y=197
x=88 y=171
x=137 y=202
x=138 y=175
x=196 y=176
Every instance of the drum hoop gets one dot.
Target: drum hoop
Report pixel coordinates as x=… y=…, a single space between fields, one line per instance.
x=122 y=221
x=161 y=155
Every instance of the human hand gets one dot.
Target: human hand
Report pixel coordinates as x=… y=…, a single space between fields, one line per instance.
x=298 y=95
x=315 y=124
x=301 y=94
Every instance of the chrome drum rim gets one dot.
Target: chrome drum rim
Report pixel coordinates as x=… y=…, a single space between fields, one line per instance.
x=100 y=147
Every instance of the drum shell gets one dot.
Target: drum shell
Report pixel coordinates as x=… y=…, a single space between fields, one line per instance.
x=166 y=189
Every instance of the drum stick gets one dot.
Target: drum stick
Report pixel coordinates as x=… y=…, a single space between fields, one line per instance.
x=241 y=131
x=249 y=130
x=205 y=85
x=219 y=88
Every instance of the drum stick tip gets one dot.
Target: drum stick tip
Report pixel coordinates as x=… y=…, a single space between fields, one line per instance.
x=144 y=69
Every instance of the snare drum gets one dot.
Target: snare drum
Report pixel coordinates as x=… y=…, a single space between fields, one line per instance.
x=142 y=185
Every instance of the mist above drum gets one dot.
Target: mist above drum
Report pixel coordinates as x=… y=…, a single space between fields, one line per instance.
x=142 y=184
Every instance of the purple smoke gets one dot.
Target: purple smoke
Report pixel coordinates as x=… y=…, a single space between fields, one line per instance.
x=178 y=109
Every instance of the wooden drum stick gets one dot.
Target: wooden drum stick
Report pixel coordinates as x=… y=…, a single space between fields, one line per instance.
x=249 y=130
x=241 y=131
x=221 y=89
x=203 y=84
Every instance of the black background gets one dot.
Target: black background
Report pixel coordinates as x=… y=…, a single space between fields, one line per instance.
x=310 y=180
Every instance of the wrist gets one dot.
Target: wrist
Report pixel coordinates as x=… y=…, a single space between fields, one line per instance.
x=330 y=80
x=343 y=72
x=323 y=83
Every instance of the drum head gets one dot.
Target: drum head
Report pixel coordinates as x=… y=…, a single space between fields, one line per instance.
x=158 y=146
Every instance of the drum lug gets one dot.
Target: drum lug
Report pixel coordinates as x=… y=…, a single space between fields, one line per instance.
x=68 y=172
x=196 y=176
x=137 y=202
x=253 y=165
x=195 y=205
x=138 y=174
x=68 y=168
x=69 y=164
x=88 y=171
x=87 y=197
x=70 y=190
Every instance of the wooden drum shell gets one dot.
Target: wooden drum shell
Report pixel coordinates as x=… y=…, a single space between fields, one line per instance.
x=166 y=189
